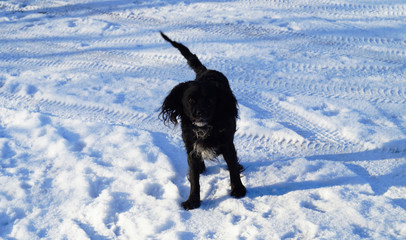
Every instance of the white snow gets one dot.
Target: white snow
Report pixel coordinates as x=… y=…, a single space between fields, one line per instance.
x=322 y=128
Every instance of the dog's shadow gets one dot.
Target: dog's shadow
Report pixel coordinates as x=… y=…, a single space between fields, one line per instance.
x=379 y=184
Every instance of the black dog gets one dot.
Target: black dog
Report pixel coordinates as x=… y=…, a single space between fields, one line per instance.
x=207 y=110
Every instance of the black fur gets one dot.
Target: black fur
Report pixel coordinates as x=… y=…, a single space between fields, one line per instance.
x=207 y=110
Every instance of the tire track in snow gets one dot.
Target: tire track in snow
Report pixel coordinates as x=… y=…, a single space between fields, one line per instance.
x=11 y=7
x=139 y=63
x=240 y=30
x=303 y=87
x=375 y=41
x=306 y=87
x=333 y=89
x=336 y=69
x=79 y=9
x=386 y=50
x=345 y=45
x=367 y=46
x=84 y=111
x=132 y=17
x=98 y=66
x=258 y=79
x=316 y=135
x=333 y=9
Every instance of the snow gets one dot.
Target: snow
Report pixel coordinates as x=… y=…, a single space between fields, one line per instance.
x=321 y=134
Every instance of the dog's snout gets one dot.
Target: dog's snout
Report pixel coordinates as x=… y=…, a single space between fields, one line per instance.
x=201 y=113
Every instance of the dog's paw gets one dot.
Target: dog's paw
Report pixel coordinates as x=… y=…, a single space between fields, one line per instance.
x=238 y=192
x=191 y=204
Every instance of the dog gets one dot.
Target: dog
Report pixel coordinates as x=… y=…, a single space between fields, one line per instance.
x=207 y=110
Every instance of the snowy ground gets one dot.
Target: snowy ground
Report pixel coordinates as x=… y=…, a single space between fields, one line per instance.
x=322 y=128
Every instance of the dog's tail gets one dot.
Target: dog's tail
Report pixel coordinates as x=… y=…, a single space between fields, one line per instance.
x=191 y=58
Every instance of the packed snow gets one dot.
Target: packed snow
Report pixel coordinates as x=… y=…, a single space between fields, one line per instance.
x=321 y=87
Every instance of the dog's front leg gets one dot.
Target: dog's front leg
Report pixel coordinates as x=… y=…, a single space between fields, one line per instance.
x=230 y=156
x=194 y=172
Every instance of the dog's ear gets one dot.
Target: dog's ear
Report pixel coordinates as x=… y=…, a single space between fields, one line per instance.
x=172 y=107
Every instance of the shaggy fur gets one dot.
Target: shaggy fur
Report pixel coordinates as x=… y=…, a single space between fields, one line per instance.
x=207 y=110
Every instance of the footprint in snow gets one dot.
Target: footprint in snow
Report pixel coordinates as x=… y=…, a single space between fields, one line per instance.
x=6 y=152
x=154 y=190
x=73 y=139
x=97 y=185
x=311 y=206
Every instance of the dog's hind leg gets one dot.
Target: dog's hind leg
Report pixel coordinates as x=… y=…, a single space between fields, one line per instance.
x=230 y=156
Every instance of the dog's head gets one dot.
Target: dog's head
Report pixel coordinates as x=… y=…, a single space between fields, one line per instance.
x=199 y=102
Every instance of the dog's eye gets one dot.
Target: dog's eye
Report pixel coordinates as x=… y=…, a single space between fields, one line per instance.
x=192 y=101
